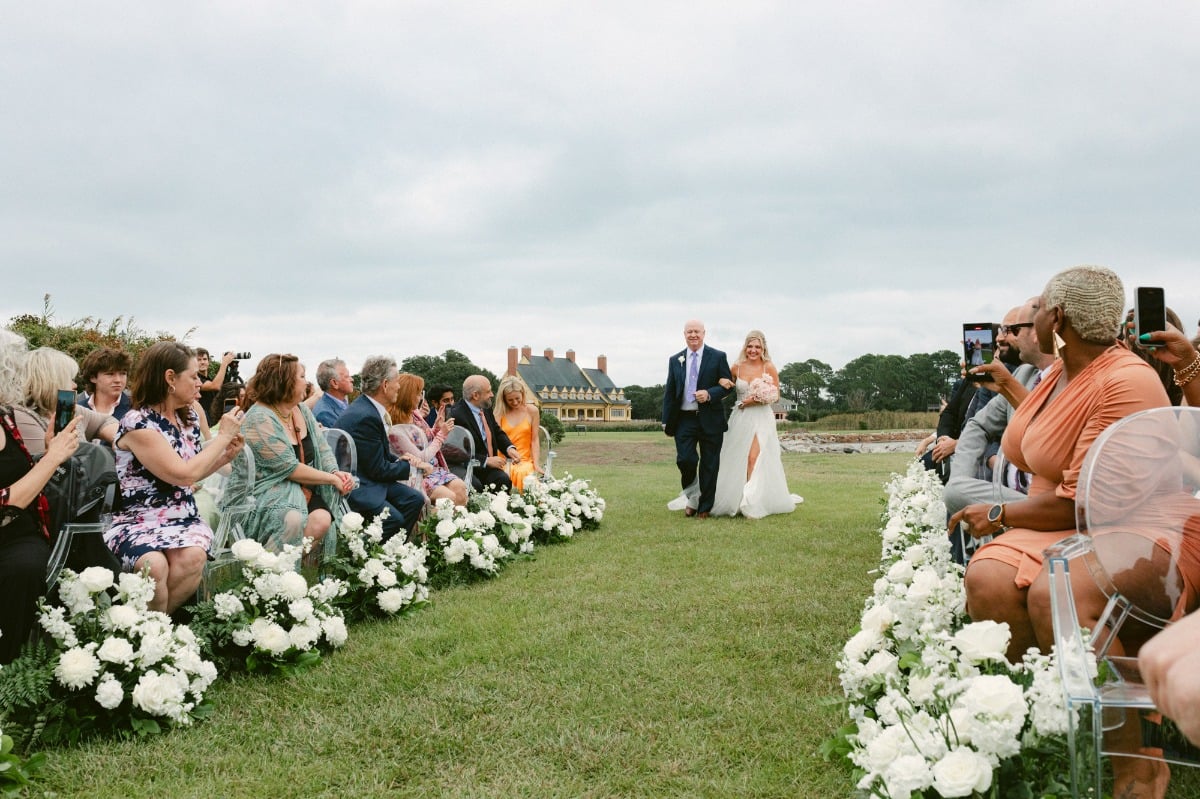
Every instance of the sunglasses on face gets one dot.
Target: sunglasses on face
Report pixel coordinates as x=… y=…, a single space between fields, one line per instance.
x=1012 y=330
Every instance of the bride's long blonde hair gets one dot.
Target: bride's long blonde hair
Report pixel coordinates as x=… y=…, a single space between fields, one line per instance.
x=754 y=334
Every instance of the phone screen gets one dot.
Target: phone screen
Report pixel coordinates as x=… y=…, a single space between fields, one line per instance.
x=230 y=404
x=1149 y=312
x=64 y=410
x=979 y=342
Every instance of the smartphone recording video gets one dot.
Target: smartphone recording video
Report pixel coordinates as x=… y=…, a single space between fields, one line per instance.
x=230 y=404
x=64 y=410
x=979 y=346
x=1149 y=313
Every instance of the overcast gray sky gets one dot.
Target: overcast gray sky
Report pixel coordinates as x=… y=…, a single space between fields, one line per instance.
x=357 y=178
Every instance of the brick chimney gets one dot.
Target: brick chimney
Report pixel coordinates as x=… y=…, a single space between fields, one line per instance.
x=549 y=353
x=602 y=364
x=571 y=356
x=526 y=352
x=512 y=360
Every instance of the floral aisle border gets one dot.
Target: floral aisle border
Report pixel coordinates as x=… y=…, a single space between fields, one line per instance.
x=111 y=666
x=936 y=709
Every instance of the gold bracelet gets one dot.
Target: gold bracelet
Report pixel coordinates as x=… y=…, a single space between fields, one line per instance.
x=1186 y=374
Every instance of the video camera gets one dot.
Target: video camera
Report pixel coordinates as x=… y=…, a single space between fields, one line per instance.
x=231 y=372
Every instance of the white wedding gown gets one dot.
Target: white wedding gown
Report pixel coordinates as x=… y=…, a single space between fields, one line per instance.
x=766 y=492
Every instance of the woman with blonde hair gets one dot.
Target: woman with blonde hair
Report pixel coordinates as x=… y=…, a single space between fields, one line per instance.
x=521 y=421
x=44 y=373
x=751 y=481
x=412 y=439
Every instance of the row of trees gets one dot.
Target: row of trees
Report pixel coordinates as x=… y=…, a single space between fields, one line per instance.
x=869 y=382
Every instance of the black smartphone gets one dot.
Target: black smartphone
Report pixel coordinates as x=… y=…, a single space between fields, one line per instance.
x=230 y=404
x=979 y=343
x=64 y=410
x=1149 y=313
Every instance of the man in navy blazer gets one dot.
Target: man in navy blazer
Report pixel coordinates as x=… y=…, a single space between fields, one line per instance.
x=693 y=414
x=380 y=471
x=472 y=413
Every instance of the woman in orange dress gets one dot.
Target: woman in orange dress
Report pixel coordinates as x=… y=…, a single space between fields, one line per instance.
x=1094 y=383
x=521 y=421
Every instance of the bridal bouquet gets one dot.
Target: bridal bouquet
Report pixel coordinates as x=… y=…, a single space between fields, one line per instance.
x=382 y=577
x=763 y=390
x=111 y=663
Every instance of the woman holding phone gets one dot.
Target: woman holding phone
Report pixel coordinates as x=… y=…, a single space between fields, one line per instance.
x=48 y=378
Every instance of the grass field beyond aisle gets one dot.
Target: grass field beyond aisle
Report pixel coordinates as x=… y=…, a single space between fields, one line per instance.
x=657 y=656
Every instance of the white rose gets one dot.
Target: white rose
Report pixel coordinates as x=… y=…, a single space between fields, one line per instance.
x=901 y=572
x=390 y=600
x=924 y=582
x=386 y=579
x=352 y=521
x=301 y=609
x=334 y=628
x=154 y=648
x=445 y=529
x=96 y=579
x=962 y=772
x=292 y=585
x=115 y=650
x=247 y=550
x=121 y=617
x=270 y=637
x=160 y=694
x=996 y=696
x=878 y=618
x=304 y=636
x=241 y=636
x=77 y=668
x=456 y=550
x=227 y=605
x=906 y=774
x=983 y=640
x=861 y=643
x=881 y=664
x=109 y=693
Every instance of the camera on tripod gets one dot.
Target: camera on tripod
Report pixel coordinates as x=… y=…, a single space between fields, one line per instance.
x=231 y=372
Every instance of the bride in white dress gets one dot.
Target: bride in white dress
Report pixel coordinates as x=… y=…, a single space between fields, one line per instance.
x=751 y=480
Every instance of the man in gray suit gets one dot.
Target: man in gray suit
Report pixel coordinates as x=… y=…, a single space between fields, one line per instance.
x=990 y=422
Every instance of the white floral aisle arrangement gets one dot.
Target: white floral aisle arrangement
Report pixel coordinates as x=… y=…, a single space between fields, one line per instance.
x=936 y=709
x=382 y=578
x=557 y=508
x=274 y=621
x=111 y=664
x=463 y=541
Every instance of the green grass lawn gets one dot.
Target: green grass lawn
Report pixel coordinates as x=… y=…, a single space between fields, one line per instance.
x=657 y=656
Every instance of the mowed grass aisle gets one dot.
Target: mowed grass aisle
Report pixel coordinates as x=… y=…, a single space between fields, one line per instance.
x=657 y=656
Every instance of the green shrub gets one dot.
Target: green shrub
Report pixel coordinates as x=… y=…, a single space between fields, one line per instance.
x=554 y=427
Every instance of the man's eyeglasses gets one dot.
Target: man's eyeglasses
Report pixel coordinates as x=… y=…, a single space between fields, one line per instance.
x=1012 y=330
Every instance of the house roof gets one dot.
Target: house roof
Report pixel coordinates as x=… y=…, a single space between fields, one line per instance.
x=539 y=372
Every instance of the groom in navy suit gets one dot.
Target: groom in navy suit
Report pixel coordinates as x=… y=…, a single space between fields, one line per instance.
x=692 y=413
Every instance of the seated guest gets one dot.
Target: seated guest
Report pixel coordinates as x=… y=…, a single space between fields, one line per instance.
x=520 y=419
x=45 y=372
x=420 y=445
x=953 y=416
x=1094 y=383
x=210 y=387
x=441 y=398
x=333 y=378
x=105 y=372
x=159 y=459
x=493 y=448
x=967 y=483
x=1182 y=356
x=24 y=512
x=381 y=474
x=231 y=395
x=296 y=480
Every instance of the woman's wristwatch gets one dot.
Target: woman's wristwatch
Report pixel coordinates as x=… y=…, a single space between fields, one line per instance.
x=996 y=516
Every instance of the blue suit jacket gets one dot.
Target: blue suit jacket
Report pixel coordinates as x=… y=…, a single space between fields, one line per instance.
x=713 y=366
x=377 y=466
x=327 y=410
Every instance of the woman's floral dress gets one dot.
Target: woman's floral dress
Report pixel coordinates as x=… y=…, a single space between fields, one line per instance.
x=154 y=515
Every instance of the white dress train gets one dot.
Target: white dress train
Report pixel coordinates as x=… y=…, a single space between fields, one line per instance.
x=766 y=492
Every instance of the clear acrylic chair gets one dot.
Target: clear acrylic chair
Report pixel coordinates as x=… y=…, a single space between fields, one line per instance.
x=96 y=504
x=460 y=438
x=546 y=451
x=1138 y=536
x=231 y=487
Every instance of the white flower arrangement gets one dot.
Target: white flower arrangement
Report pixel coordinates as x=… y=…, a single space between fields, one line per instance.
x=118 y=663
x=275 y=620
x=462 y=541
x=381 y=577
x=936 y=708
x=557 y=508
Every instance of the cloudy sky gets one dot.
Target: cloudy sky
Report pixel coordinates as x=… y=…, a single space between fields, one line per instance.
x=407 y=177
